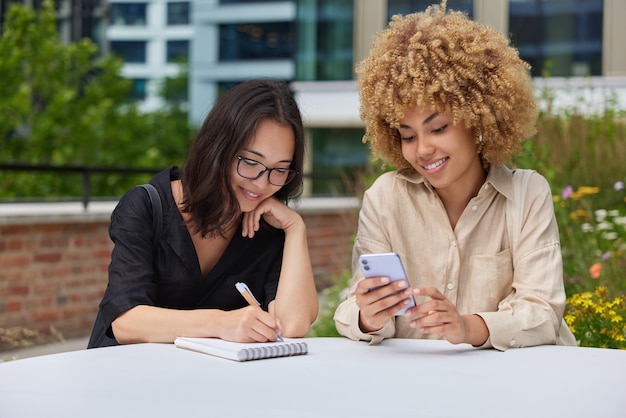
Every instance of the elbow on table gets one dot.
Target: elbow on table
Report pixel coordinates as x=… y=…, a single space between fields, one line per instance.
x=298 y=328
x=123 y=332
x=120 y=335
x=296 y=331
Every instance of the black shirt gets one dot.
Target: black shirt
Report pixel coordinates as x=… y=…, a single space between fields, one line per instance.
x=171 y=277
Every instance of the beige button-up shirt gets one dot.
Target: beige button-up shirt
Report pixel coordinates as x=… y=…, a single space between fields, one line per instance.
x=521 y=300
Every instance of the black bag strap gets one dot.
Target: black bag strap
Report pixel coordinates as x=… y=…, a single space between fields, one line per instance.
x=157 y=213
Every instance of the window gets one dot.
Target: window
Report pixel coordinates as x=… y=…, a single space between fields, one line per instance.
x=559 y=38
x=138 y=89
x=130 y=51
x=325 y=32
x=242 y=1
x=178 y=13
x=404 y=7
x=177 y=50
x=339 y=159
x=256 y=41
x=128 y=14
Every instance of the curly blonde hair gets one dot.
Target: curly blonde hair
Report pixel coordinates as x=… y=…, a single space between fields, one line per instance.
x=444 y=61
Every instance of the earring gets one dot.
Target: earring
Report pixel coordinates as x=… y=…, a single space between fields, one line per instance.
x=480 y=137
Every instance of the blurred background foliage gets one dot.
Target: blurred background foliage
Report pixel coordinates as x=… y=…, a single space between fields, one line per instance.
x=62 y=104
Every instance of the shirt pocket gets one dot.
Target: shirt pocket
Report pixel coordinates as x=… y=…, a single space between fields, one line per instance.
x=490 y=280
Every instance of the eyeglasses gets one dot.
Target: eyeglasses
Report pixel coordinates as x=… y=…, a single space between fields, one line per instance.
x=251 y=169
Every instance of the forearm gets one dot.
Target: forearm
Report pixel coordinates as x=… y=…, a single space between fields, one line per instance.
x=296 y=303
x=152 y=324
x=476 y=331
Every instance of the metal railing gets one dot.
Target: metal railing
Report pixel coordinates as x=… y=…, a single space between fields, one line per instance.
x=85 y=171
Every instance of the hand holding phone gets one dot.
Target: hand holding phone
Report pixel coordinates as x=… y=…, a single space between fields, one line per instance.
x=387 y=265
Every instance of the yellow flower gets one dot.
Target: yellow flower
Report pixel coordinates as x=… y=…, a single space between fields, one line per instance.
x=595 y=320
x=587 y=190
x=569 y=319
x=580 y=215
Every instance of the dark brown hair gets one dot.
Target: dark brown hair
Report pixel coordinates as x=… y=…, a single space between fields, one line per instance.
x=231 y=123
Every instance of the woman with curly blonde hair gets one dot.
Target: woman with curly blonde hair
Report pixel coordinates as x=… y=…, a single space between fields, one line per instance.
x=447 y=101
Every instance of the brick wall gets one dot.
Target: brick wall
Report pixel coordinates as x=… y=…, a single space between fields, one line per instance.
x=52 y=275
x=53 y=271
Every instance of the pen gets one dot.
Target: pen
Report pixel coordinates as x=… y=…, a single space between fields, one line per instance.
x=249 y=297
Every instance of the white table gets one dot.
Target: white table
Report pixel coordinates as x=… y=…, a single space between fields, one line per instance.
x=338 y=378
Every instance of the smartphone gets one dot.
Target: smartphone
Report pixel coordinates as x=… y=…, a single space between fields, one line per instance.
x=388 y=265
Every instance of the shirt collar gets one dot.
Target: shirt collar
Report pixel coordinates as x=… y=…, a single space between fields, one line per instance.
x=501 y=178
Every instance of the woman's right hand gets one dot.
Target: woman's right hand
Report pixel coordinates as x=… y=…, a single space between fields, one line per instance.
x=249 y=324
x=377 y=302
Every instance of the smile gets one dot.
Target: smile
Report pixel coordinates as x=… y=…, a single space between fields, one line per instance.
x=435 y=164
x=250 y=194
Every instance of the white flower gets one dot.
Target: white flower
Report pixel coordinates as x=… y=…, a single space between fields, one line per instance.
x=586 y=227
x=604 y=226
x=610 y=236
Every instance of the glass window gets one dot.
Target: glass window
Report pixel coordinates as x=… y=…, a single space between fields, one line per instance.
x=325 y=32
x=339 y=159
x=128 y=14
x=178 y=13
x=177 y=50
x=130 y=51
x=256 y=41
x=224 y=86
x=559 y=38
x=138 y=89
x=404 y=7
x=243 y=1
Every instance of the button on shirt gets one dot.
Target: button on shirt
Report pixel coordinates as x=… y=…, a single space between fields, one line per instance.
x=521 y=301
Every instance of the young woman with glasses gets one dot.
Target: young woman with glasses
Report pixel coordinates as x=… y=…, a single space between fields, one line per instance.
x=225 y=220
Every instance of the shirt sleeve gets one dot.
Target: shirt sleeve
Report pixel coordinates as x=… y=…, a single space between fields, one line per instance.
x=371 y=238
x=532 y=312
x=131 y=272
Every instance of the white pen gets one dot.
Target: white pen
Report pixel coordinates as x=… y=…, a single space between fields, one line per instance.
x=249 y=297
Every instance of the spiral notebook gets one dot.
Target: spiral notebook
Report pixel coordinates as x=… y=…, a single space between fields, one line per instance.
x=243 y=351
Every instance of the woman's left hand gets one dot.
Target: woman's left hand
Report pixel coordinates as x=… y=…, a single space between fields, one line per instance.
x=438 y=316
x=275 y=213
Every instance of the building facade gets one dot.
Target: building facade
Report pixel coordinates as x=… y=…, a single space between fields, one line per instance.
x=573 y=46
x=152 y=37
x=77 y=19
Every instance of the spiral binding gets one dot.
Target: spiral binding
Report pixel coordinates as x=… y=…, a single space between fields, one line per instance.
x=275 y=350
